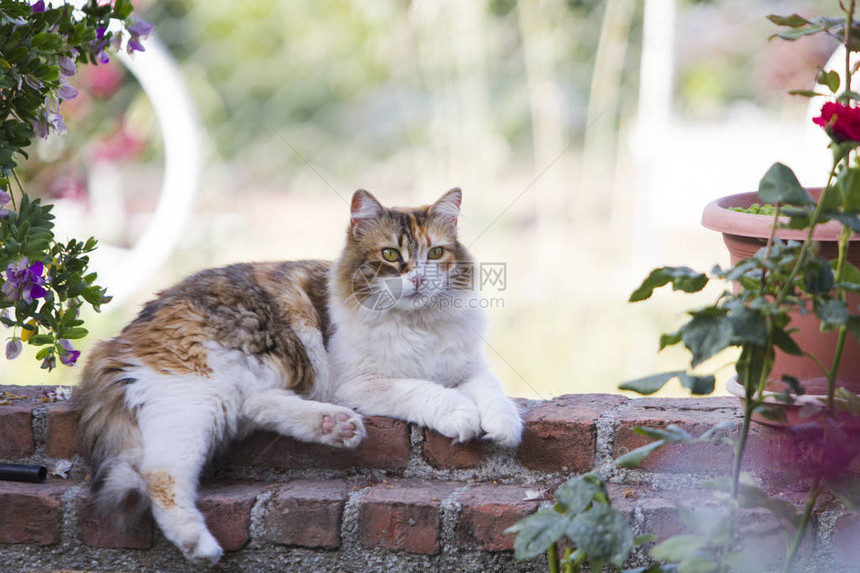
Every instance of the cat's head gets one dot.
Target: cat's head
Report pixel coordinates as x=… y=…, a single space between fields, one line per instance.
x=403 y=259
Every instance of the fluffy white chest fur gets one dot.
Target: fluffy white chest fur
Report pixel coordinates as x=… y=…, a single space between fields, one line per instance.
x=444 y=347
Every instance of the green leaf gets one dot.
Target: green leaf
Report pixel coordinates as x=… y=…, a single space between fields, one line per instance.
x=672 y=433
x=670 y=339
x=635 y=457
x=780 y=185
x=805 y=93
x=832 y=312
x=699 y=563
x=749 y=325
x=576 y=493
x=41 y=339
x=537 y=532
x=682 y=278
x=649 y=384
x=643 y=539
x=677 y=548
x=706 y=334
x=793 y=21
x=846 y=401
x=818 y=276
x=784 y=342
x=829 y=79
x=603 y=534
x=75 y=332
x=698 y=385
x=848 y=186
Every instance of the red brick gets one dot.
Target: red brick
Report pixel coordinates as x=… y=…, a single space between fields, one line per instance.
x=17 y=430
x=403 y=515
x=97 y=530
x=560 y=435
x=696 y=416
x=31 y=513
x=227 y=509
x=307 y=513
x=385 y=447
x=487 y=510
x=442 y=454
x=61 y=440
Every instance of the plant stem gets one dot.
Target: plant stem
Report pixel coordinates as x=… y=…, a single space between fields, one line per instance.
x=791 y=554
x=849 y=20
x=20 y=188
x=552 y=554
x=568 y=564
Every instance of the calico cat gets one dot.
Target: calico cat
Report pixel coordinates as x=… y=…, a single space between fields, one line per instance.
x=302 y=348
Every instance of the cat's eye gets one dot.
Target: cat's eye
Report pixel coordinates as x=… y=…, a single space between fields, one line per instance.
x=391 y=255
x=435 y=253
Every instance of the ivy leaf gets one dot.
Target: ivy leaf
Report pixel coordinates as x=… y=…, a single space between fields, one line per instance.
x=833 y=313
x=780 y=185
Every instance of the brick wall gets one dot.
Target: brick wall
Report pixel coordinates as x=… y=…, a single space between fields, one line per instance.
x=406 y=499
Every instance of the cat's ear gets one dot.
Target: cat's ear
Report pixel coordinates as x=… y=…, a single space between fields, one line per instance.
x=365 y=211
x=447 y=208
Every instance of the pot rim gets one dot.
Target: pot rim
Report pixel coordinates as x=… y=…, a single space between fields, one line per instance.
x=718 y=216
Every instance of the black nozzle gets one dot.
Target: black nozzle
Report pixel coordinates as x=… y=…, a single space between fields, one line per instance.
x=20 y=472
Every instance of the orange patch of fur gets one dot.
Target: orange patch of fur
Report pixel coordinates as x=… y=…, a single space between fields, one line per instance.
x=172 y=342
x=161 y=487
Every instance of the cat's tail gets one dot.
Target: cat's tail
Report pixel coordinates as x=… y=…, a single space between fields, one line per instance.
x=109 y=434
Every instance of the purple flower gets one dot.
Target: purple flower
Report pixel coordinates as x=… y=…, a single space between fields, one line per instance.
x=33 y=83
x=100 y=32
x=139 y=29
x=4 y=198
x=71 y=356
x=67 y=66
x=39 y=6
x=50 y=118
x=49 y=363
x=24 y=281
x=102 y=56
x=65 y=91
x=13 y=348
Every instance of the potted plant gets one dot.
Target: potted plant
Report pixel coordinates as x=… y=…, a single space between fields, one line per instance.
x=44 y=281
x=792 y=272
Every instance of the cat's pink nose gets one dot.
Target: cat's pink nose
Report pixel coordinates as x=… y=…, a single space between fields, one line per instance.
x=417 y=280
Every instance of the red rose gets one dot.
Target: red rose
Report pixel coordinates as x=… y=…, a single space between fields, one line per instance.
x=842 y=122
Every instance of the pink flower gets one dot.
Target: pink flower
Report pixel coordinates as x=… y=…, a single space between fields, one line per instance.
x=842 y=122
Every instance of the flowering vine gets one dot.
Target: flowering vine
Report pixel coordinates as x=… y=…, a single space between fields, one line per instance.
x=46 y=281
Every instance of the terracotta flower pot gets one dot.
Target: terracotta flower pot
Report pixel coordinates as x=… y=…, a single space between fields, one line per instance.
x=744 y=234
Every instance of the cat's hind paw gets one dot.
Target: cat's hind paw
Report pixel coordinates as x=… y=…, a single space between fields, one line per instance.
x=343 y=429
x=205 y=550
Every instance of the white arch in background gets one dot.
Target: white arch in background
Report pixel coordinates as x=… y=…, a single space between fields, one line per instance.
x=122 y=271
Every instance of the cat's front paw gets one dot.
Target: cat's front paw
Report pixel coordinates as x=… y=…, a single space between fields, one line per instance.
x=342 y=428
x=461 y=420
x=503 y=426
